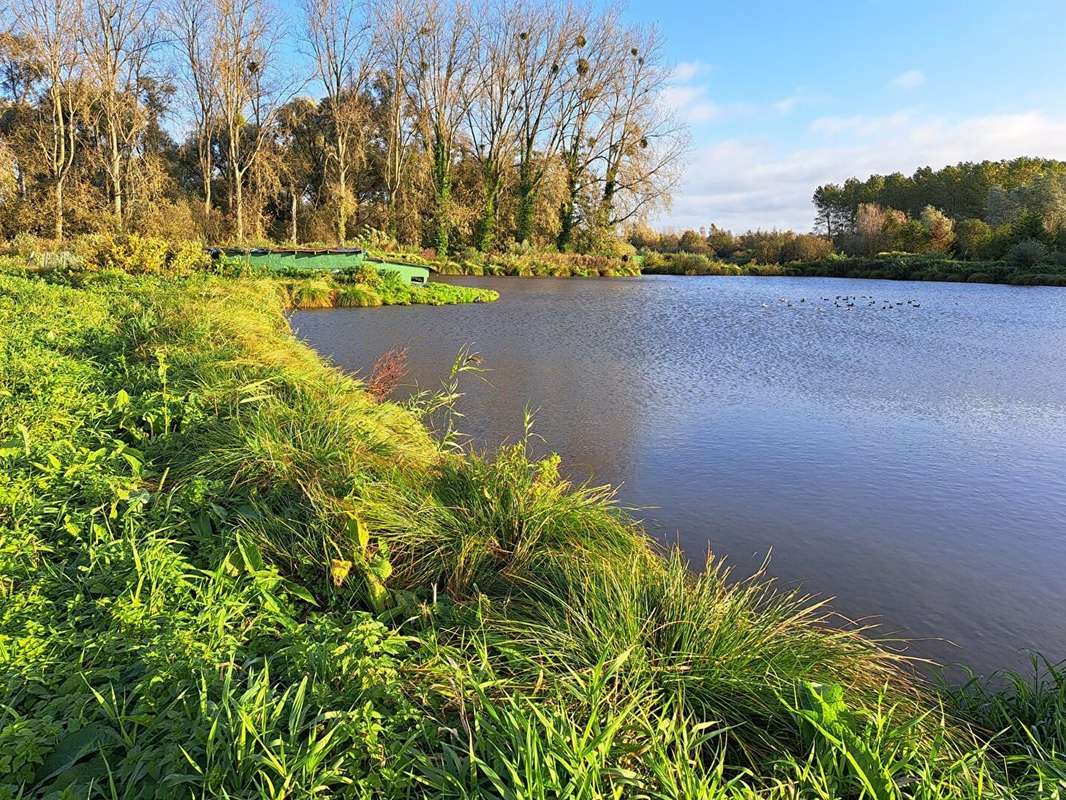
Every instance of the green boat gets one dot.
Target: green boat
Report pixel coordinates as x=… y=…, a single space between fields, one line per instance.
x=327 y=260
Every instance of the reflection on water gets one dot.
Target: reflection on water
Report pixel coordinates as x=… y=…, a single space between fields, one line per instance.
x=903 y=450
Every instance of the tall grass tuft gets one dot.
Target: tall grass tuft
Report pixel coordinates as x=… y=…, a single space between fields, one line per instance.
x=312 y=294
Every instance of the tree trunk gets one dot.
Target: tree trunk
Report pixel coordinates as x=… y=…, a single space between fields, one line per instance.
x=568 y=206
x=342 y=213
x=566 y=225
x=238 y=196
x=442 y=184
x=59 y=210
x=342 y=189
x=527 y=202
x=115 y=171
x=486 y=227
x=603 y=217
x=206 y=164
x=293 y=210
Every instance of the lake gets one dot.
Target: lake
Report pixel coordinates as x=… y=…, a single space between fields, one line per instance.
x=898 y=446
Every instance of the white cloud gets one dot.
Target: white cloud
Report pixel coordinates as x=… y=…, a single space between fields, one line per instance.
x=800 y=97
x=911 y=79
x=861 y=124
x=744 y=184
x=687 y=71
x=689 y=102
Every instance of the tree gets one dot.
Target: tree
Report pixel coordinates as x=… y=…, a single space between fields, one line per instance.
x=294 y=142
x=642 y=141
x=250 y=95
x=876 y=227
x=339 y=34
x=548 y=69
x=939 y=230
x=194 y=26
x=583 y=105
x=392 y=42
x=120 y=36
x=806 y=247
x=441 y=64
x=693 y=242
x=499 y=34
x=723 y=242
x=972 y=236
x=54 y=28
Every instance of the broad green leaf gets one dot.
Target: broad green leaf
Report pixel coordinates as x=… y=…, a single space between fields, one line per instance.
x=338 y=570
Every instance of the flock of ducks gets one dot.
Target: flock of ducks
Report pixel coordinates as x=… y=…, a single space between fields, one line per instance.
x=850 y=302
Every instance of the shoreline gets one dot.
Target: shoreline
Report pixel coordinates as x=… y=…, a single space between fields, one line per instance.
x=242 y=524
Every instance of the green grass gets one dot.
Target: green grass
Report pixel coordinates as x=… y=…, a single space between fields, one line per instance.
x=326 y=292
x=225 y=571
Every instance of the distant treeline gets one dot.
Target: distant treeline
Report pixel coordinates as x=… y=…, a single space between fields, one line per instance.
x=1008 y=215
x=995 y=192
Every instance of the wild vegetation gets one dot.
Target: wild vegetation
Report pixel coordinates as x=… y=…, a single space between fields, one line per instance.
x=496 y=128
x=229 y=571
x=132 y=254
x=992 y=222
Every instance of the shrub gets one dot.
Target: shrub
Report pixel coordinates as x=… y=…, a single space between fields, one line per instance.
x=357 y=297
x=312 y=294
x=368 y=276
x=1028 y=253
x=13 y=265
x=139 y=255
x=806 y=247
x=972 y=236
x=188 y=256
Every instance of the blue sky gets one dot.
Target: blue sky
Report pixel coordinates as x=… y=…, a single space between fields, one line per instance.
x=782 y=96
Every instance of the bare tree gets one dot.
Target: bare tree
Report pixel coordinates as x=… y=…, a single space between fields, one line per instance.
x=642 y=142
x=293 y=144
x=550 y=53
x=250 y=93
x=441 y=66
x=498 y=34
x=622 y=144
x=54 y=28
x=580 y=111
x=120 y=36
x=339 y=34
x=392 y=43
x=195 y=32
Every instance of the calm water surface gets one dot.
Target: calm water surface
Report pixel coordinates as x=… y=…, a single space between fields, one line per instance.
x=909 y=461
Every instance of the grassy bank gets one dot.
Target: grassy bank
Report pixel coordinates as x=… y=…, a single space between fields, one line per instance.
x=882 y=267
x=227 y=572
x=332 y=291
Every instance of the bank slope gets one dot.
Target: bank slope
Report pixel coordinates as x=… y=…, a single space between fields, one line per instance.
x=227 y=572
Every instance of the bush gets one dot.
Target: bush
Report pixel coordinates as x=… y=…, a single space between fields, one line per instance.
x=188 y=256
x=806 y=247
x=312 y=294
x=972 y=236
x=13 y=265
x=140 y=255
x=1028 y=253
x=357 y=297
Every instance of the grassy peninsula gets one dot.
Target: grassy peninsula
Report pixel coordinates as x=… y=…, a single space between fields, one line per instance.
x=227 y=571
